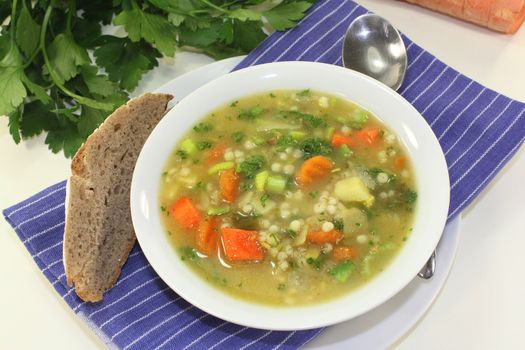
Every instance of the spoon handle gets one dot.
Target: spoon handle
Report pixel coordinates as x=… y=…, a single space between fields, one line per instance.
x=430 y=267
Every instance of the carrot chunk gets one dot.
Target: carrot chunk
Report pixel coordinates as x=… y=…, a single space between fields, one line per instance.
x=344 y=253
x=241 y=245
x=186 y=213
x=369 y=136
x=322 y=237
x=216 y=153
x=313 y=170
x=338 y=140
x=207 y=234
x=399 y=162
x=229 y=185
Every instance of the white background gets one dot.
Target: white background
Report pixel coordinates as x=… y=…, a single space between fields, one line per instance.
x=482 y=304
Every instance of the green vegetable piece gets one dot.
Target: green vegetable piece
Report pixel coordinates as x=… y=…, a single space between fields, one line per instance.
x=297 y=135
x=258 y=140
x=345 y=151
x=303 y=93
x=188 y=253
x=255 y=111
x=251 y=166
x=358 y=119
x=202 y=145
x=260 y=180
x=202 y=127
x=275 y=184
x=237 y=136
x=338 y=224
x=189 y=147
x=315 y=146
x=263 y=199
x=329 y=132
x=220 y=167
x=219 y=211
x=182 y=154
x=342 y=271
x=284 y=142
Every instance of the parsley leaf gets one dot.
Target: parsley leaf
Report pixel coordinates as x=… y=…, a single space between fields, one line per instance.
x=283 y=16
x=65 y=56
x=125 y=61
x=36 y=118
x=153 y=28
x=64 y=137
x=27 y=32
x=97 y=84
x=89 y=120
x=12 y=90
x=14 y=125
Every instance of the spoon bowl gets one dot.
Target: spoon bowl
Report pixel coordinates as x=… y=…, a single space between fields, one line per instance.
x=374 y=47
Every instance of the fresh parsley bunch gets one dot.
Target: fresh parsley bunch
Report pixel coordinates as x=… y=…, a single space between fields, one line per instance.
x=59 y=74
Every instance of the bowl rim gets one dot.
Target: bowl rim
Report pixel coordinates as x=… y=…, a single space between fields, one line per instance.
x=249 y=313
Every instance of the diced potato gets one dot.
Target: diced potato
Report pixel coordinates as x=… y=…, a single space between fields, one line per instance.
x=353 y=189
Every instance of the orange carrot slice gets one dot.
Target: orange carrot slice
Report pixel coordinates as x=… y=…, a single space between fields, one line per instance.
x=241 y=245
x=322 y=237
x=207 y=235
x=313 y=170
x=229 y=185
x=369 y=136
x=344 y=253
x=216 y=153
x=338 y=140
x=186 y=213
x=399 y=162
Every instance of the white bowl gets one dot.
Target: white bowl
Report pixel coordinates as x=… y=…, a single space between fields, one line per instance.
x=432 y=184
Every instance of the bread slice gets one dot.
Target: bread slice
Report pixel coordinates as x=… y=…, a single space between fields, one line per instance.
x=99 y=233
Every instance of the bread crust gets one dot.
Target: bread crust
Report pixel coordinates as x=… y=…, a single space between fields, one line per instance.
x=98 y=235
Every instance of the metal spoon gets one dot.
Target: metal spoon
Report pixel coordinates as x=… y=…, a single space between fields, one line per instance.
x=374 y=47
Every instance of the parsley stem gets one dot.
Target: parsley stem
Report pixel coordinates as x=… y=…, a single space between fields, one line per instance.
x=212 y=5
x=72 y=11
x=12 y=22
x=83 y=100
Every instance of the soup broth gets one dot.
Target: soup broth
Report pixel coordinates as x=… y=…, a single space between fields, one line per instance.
x=288 y=197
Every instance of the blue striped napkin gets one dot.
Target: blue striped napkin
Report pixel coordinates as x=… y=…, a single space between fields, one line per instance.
x=479 y=131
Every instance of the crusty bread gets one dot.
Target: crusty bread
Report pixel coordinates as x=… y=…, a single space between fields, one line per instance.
x=99 y=233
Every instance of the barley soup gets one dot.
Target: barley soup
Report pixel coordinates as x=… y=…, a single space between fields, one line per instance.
x=288 y=197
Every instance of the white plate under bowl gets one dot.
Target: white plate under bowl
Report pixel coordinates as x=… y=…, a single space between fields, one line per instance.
x=392 y=109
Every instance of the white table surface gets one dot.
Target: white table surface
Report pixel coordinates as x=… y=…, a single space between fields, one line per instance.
x=482 y=304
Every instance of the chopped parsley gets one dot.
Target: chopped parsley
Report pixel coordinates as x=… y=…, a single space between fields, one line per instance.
x=284 y=142
x=303 y=93
x=202 y=145
x=263 y=199
x=252 y=165
x=181 y=154
x=203 y=127
x=315 y=146
x=188 y=253
x=315 y=263
x=250 y=114
x=339 y=225
x=237 y=136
